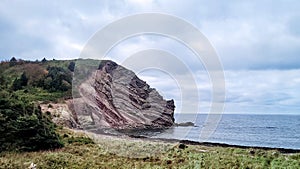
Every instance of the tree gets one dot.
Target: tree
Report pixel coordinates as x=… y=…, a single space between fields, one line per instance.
x=23 y=79
x=44 y=60
x=23 y=127
x=57 y=79
x=13 y=61
x=71 y=66
x=2 y=80
x=19 y=83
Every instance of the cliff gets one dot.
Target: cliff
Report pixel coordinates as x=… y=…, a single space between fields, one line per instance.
x=105 y=95
x=114 y=97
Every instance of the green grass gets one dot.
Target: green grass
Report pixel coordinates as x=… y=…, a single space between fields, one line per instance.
x=81 y=152
x=39 y=94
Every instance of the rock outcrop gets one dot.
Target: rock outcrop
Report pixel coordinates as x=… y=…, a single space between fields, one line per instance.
x=62 y=113
x=114 y=97
x=185 y=124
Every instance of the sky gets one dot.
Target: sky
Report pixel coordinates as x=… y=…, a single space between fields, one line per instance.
x=257 y=42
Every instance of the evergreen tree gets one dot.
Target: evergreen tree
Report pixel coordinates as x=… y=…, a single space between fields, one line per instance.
x=17 y=84
x=44 y=60
x=23 y=79
x=71 y=66
x=2 y=80
x=13 y=61
x=23 y=127
x=57 y=79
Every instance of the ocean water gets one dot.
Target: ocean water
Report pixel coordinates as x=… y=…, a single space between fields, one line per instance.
x=276 y=131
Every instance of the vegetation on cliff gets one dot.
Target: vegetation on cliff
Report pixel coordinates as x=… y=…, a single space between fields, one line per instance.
x=23 y=127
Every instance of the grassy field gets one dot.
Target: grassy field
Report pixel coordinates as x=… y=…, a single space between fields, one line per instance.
x=114 y=152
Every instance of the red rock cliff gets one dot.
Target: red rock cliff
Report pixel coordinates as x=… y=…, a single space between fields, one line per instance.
x=114 y=97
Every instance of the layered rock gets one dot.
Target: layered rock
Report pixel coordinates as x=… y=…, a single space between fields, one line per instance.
x=114 y=97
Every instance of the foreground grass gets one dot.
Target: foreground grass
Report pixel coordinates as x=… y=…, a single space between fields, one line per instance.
x=109 y=152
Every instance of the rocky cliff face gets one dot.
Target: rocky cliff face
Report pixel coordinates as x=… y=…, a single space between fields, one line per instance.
x=62 y=113
x=114 y=97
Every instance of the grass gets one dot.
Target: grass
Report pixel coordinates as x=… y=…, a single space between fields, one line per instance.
x=39 y=94
x=110 y=152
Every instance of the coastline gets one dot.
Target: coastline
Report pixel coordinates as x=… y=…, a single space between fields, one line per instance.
x=190 y=142
x=111 y=151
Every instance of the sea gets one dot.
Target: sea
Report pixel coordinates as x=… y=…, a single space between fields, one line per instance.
x=274 y=131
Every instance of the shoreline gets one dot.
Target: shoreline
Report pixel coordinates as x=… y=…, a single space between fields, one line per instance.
x=85 y=149
x=190 y=142
x=212 y=144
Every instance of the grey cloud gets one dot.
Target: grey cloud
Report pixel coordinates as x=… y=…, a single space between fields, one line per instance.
x=246 y=34
x=49 y=28
x=258 y=42
x=14 y=42
x=272 y=91
x=294 y=25
x=259 y=91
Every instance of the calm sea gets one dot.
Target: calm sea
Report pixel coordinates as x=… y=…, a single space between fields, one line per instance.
x=276 y=131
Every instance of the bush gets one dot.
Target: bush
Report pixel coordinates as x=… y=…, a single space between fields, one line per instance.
x=81 y=140
x=57 y=79
x=23 y=127
x=71 y=66
x=19 y=83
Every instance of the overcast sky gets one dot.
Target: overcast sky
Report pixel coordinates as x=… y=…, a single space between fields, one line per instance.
x=257 y=41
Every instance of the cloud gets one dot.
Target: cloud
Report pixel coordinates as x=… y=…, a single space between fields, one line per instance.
x=254 y=91
x=246 y=34
x=141 y=5
x=258 y=43
x=263 y=91
x=50 y=29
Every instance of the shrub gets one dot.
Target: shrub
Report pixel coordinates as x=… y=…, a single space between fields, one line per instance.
x=57 y=79
x=23 y=127
x=81 y=140
x=71 y=66
x=19 y=83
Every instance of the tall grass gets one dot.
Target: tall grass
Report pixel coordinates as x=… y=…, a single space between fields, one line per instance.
x=82 y=152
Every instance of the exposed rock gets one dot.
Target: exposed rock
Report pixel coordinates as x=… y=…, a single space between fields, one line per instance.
x=185 y=124
x=62 y=114
x=114 y=97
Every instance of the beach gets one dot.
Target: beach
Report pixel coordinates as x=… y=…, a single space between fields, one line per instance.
x=107 y=151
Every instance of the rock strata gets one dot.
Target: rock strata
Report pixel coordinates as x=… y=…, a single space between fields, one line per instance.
x=114 y=97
